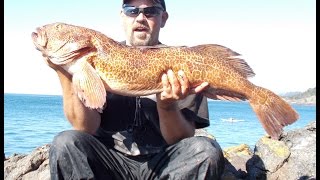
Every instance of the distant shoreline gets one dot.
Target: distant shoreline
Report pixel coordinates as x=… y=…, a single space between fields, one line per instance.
x=302 y=104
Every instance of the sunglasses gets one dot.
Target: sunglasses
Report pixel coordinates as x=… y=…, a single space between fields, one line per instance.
x=133 y=11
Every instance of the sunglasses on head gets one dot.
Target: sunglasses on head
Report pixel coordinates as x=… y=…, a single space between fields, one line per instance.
x=133 y=11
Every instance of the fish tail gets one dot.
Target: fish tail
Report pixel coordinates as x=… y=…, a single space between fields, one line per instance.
x=273 y=112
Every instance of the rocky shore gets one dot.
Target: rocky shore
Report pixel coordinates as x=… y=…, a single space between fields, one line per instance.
x=292 y=157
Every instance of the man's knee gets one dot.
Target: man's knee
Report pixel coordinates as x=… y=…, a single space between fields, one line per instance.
x=206 y=153
x=208 y=149
x=68 y=140
x=68 y=154
x=65 y=138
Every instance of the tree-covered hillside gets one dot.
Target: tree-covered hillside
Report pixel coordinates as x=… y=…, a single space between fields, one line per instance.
x=307 y=97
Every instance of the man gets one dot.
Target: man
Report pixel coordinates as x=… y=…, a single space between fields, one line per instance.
x=137 y=137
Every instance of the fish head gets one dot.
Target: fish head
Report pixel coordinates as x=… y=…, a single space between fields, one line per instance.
x=62 y=43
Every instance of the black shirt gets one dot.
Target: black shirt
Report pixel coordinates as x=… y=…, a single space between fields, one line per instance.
x=131 y=124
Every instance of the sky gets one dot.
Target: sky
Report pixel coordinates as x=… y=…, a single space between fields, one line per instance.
x=277 y=38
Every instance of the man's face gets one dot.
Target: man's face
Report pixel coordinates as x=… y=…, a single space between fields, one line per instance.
x=142 y=30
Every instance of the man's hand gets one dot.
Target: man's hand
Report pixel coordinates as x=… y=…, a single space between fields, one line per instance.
x=175 y=88
x=57 y=68
x=50 y=64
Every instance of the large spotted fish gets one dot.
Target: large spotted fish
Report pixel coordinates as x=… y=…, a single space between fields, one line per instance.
x=100 y=65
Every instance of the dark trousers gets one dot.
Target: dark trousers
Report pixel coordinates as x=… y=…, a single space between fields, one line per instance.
x=77 y=155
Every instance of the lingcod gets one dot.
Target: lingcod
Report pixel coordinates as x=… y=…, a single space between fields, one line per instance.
x=99 y=64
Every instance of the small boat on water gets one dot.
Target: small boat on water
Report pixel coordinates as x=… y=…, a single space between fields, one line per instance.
x=232 y=120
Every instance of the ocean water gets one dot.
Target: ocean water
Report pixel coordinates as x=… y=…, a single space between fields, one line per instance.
x=31 y=121
x=245 y=127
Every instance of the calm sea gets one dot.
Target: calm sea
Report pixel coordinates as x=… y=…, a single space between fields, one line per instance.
x=31 y=121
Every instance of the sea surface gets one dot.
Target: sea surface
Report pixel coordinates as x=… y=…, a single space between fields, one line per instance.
x=31 y=121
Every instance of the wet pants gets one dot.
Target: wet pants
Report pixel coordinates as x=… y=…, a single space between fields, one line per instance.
x=77 y=155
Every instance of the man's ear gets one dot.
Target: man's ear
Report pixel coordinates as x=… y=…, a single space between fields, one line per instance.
x=121 y=14
x=165 y=17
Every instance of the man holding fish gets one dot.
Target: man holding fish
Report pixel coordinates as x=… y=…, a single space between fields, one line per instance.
x=149 y=137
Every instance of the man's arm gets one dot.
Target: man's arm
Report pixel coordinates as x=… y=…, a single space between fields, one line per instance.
x=173 y=124
x=80 y=117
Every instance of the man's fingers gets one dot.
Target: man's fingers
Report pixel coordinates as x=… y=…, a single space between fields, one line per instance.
x=200 y=88
x=165 y=82
x=166 y=86
x=184 y=83
x=172 y=79
x=175 y=85
x=178 y=87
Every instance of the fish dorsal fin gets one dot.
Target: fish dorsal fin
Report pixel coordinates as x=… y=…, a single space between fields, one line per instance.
x=216 y=49
x=88 y=85
x=227 y=54
x=241 y=66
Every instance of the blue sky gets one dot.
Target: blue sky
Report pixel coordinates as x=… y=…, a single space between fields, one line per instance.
x=276 y=38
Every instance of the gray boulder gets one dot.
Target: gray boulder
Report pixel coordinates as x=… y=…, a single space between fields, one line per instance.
x=33 y=166
x=293 y=157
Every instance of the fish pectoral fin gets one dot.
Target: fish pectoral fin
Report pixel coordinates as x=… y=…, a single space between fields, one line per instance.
x=89 y=87
x=221 y=94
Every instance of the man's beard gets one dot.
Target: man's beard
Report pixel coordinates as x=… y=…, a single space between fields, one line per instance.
x=147 y=41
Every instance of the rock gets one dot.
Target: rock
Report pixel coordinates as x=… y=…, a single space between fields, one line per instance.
x=302 y=161
x=292 y=157
x=32 y=166
x=273 y=153
x=236 y=158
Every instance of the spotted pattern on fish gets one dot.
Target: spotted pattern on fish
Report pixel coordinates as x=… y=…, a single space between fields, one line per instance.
x=100 y=64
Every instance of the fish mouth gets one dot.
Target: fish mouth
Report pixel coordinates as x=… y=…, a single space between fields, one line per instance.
x=59 y=52
x=39 y=38
x=34 y=36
